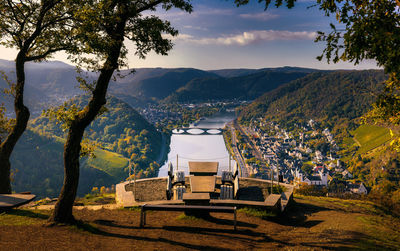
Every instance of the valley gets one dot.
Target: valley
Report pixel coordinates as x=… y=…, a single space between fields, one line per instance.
x=274 y=133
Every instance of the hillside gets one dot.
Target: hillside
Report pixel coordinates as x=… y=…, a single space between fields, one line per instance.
x=159 y=86
x=37 y=164
x=243 y=87
x=372 y=160
x=230 y=73
x=46 y=83
x=51 y=83
x=368 y=137
x=122 y=132
x=337 y=100
x=313 y=223
x=324 y=97
x=120 y=129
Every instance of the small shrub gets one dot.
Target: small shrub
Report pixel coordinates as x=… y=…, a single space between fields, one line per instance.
x=257 y=212
x=311 y=190
x=95 y=190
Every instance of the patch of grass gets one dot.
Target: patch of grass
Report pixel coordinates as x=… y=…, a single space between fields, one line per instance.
x=96 y=199
x=187 y=217
x=348 y=142
x=109 y=162
x=277 y=189
x=257 y=212
x=134 y=209
x=19 y=217
x=382 y=230
x=370 y=137
x=362 y=206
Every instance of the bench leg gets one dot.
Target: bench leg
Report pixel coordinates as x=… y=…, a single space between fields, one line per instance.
x=142 y=217
x=234 y=220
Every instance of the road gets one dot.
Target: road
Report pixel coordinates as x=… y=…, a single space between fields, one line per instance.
x=243 y=170
x=247 y=137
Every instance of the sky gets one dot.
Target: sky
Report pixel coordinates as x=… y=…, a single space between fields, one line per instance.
x=219 y=35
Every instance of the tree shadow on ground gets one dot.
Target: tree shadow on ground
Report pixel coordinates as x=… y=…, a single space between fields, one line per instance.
x=27 y=213
x=296 y=215
x=222 y=232
x=94 y=230
x=219 y=221
x=346 y=240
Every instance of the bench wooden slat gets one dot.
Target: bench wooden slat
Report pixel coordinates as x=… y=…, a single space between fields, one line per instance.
x=212 y=209
x=196 y=197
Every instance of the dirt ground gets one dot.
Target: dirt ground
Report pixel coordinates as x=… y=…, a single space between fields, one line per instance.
x=310 y=225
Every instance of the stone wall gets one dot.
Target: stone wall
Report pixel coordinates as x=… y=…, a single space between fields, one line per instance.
x=154 y=189
x=149 y=189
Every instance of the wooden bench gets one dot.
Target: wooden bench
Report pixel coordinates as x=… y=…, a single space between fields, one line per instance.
x=185 y=208
x=8 y=201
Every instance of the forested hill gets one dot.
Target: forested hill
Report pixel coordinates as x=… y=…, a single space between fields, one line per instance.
x=37 y=166
x=322 y=96
x=122 y=132
x=54 y=82
x=242 y=87
x=230 y=73
x=157 y=87
x=120 y=129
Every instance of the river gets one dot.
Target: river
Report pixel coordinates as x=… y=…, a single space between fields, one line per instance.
x=200 y=147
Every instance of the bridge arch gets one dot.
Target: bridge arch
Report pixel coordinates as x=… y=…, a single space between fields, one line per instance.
x=197 y=131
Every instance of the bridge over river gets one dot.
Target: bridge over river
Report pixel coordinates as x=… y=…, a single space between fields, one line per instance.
x=198 y=131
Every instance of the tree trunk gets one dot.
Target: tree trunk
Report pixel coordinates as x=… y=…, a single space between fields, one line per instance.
x=21 y=120
x=5 y=182
x=63 y=208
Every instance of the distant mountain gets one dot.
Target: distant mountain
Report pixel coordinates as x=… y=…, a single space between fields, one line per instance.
x=243 y=87
x=46 y=83
x=157 y=84
x=324 y=96
x=52 y=83
x=230 y=73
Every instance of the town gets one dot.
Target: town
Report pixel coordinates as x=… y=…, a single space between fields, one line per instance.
x=305 y=156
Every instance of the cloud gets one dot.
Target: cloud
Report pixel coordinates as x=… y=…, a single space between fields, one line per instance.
x=248 y=37
x=198 y=12
x=195 y=27
x=262 y=16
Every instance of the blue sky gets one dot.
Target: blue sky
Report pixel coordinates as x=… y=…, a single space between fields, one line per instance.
x=219 y=35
